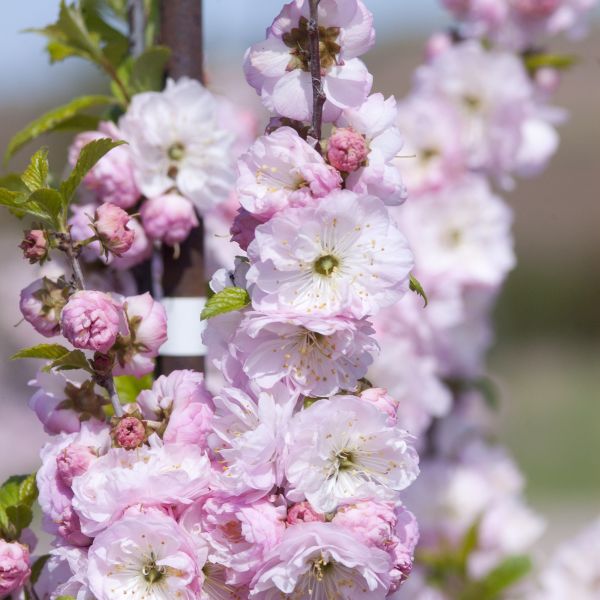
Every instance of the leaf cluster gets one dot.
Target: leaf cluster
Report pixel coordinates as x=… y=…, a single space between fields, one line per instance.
x=17 y=495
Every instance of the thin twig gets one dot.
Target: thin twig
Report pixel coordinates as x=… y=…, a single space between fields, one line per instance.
x=75 y=266
x=315 y=73
x=109 y=385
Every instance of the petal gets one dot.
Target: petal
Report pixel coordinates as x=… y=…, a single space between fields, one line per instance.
x=347 y=86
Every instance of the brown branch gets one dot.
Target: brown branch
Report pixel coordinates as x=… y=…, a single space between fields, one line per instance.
x=315 y=73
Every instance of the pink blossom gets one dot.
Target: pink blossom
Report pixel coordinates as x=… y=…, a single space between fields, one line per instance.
x=346 y=150
x=111 y=225
x=281 y=170
x=375 y=120
x=189 y=425
x=147 y=322
x=62 y=404
x=344 y=256
x=129 y=433
x=168 y=218
x=387 y=526
x=341 y=560
x=139 y=251
x=35 y=245
x=303 y=512
x=41 y=303
x=239 y=533
x=74 y=460
x=278 y=69
x=14 y=566
x=144 y=555
x=312 y=356
x=92 y=321
x=111 y=179
x=383 y=401
x=243 y=228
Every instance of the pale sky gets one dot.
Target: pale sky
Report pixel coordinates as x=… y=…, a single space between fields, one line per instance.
x=230 y=26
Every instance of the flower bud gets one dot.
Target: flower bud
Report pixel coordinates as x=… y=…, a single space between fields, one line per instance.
x=41 y=304
x=72 y=461
x=35 y=246
x=303 y=512
x=129 y=433
x=92 y=321
x=14 y=566
x=383 y=401
x=347 y=150
x=102 y=363
x=168 y=218
x=110 y=224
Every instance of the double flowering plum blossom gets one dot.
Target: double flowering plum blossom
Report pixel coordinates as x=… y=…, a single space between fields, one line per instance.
x=342 y=449
x=279 y=67
x=322 y=560
x=375 y=121
x=41 y=303
x=344 y=256
x=169 y=218
x=111 y=225
x=494 y=100
x=280 y=170
x=460 y=235
x=176 y=141
x=14 y=567
x=144 y=555
x=312 y=356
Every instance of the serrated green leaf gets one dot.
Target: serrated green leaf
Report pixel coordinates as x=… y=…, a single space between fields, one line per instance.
x=148 y=70
x=129 y=387
x=72 y=26
x=45 y=351
x=561 y=62
x=53 y=119
x=51 y=201
x=75 y=359
x=79 y=123
x=36 y=173
x=226 y=300
x=20 y=517
x=37 y=567
x=10 y=198
x=415 y=286
x=28 y=491
x=13 y=183
x=9 y=491
x=90 y=154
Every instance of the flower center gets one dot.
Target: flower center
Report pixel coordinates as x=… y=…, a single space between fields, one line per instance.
x=345 y=460
x=326 y=265
x=428 y=154
x=176 y=152
x=152 y=572
x=471 y=102
x=319 y=568
x=298 y=40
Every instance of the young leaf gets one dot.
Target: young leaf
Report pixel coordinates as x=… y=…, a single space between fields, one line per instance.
x=510 y=571
x=75 y=359
x=148 y=69
x=72 y=26
x=227 y=300
x=35 y=175
x=45 y=351
x=415 y=286
x=50 y=201
x=129 y=387
x=20 y=517
x=53 y=120
x=9 y=491
x=561 y=62
x=28 y=491
x=37 y=567
x=88 y=157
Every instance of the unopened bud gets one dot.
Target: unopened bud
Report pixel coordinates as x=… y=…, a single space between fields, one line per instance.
x=129 y=433
x=347 y=150
x=35 y=246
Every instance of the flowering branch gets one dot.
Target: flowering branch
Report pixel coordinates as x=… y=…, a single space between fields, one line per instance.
x=315 y=72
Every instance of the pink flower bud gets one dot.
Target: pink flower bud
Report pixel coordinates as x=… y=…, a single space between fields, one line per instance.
x=92 y=321
x=14 y=566
x=72 y=461
x=243 y=227
x=35 y=246
x=168 y=218
x=383 y=401
x=140 y=250
x=535 y=9
x=110 y=223
x=303 y=512
x=347 y=150
x=41 y=304
x=129 y=433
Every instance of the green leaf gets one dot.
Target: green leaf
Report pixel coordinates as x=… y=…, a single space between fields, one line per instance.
x=9 y=492
x=50 y=201
x=20 y=517
x=468 y=545
x=65 y=598
x=53 y=120
x=37 y=568
x=75 y=359
x=148 y=70
x=79 y=123
x=415 y=286
x=45 y=351
x=72 y=26
x=561 y=62
x=129 y=387
x=35 y=175
x=11 y=199
x=28 y=491
x=509 y=572
x=227 y=300
x=90 y=154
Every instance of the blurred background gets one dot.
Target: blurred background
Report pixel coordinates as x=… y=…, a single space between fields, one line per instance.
x=547 y=357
